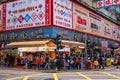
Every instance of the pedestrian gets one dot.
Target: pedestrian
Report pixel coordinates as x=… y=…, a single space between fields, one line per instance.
x=77 y=62
x=26 y=61
x=57 y=61
x=38 y=62
x=30 y=57
x=95 y=64
x=118 y=62
x=89 y=63
x=47 y=65
x=101 y=62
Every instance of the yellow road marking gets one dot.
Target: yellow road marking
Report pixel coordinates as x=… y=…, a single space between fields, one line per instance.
x=111 y=75
x=15 y=78
x=24 y=77
x=55 y=76
x=83 y=76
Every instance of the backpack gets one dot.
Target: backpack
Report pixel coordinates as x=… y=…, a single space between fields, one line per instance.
x=76 y=60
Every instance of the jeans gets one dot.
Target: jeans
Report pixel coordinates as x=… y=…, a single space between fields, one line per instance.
x=38 y=66
x=47 y=66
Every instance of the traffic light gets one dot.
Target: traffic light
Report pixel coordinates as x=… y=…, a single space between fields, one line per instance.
x=88 y=43
x=57 y=41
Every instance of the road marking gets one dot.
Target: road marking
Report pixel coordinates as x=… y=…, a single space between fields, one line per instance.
x=4 y=74
x=111 y=75
x=24 y=77
x=88 y=78
x=55 y=76
x=15 y=78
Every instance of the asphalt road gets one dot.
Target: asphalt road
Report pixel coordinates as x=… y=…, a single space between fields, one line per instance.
x=22 y=74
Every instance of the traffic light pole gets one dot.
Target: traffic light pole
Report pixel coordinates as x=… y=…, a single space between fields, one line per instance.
x=57 y=42
x=86 y=47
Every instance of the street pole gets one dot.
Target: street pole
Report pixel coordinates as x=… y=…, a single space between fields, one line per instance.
x=85 y=46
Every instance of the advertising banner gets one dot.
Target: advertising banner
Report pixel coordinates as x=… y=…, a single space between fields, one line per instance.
x=0 y=17
x=104 y=45
x=80 y=18
x=116 y=32
x=62 y=13
x=27 y=13
x=106 y=29
x=95 y=23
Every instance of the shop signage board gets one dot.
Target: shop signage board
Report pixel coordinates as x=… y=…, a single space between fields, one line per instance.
x=36 y=49
x=27 y=13
x=107 y=3
x=95 y=22
x=27 y=34
x=100 y=4
x=116 y=2
x=80 y=18
x=62 y=13
x=106 y=30
x=115 y=32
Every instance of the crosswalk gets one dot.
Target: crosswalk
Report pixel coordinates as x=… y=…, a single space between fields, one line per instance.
x=22 y=74
x=93 y=75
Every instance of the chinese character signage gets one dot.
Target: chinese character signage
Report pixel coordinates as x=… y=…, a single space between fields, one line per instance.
x=106 y=30
x=95 y=23
x=27 y=13
x=80 y=18
x=107 y=3
x=116 y=2
x=116 y=32
x=62 y=13
x=100 y=4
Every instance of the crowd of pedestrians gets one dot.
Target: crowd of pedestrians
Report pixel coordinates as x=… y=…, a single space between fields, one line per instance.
x=59 y=62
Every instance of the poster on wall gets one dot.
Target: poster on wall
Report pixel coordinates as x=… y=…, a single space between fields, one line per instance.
x=27 y=13
x=95 y=23
x=107 y=29
x=80 y=18
x=62 y=13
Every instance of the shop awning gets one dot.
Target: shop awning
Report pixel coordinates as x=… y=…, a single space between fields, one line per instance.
x=74 y=43
x=27 y=43
x=42 y=43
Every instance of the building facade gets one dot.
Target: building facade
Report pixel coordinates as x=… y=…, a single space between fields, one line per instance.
x=41 y=20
